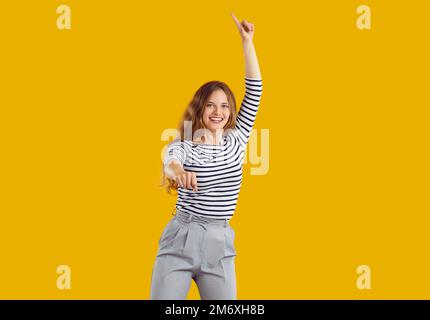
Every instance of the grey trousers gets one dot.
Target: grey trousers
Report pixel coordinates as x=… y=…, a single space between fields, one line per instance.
x=195 y=248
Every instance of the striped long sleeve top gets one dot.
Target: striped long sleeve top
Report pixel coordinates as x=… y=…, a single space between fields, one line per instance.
x=218 y=168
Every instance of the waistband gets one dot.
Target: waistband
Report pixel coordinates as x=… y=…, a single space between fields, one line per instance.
x=186 y=217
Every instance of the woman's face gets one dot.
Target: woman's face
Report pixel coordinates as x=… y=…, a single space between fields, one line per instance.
x=216 y=111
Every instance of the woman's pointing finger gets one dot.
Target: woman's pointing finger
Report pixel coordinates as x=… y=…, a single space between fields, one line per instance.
x=236 y=21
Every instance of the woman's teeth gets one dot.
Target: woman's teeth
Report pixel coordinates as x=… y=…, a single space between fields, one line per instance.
x=215 y=119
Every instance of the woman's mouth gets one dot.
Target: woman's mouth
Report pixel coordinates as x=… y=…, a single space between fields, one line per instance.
x=215 y=119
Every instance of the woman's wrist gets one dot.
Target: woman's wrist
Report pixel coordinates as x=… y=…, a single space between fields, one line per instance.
x=173 y=169
x=247 y=42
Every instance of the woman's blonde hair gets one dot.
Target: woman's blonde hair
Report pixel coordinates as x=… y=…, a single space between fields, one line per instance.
x=194 y=114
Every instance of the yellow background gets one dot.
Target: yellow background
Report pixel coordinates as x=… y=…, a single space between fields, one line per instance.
x=81 y=117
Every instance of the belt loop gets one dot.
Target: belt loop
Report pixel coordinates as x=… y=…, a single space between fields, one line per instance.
x=190 y=217
x=225 y=222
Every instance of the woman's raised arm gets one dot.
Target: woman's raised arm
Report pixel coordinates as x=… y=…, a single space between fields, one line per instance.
x=246 y=30
x=253 y=84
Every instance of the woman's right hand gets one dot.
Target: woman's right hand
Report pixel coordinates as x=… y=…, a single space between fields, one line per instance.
x=184 y=179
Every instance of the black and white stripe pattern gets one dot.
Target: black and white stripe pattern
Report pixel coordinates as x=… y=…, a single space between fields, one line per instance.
x=218 y=168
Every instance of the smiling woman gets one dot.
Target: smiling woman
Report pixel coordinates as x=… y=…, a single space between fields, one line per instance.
x=216 y=114
x=211 y=111
x=206 y=172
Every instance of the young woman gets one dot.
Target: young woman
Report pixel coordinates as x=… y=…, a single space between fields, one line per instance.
x=204 y=165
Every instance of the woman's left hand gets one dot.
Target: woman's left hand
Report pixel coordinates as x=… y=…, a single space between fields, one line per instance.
x=246 y=29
